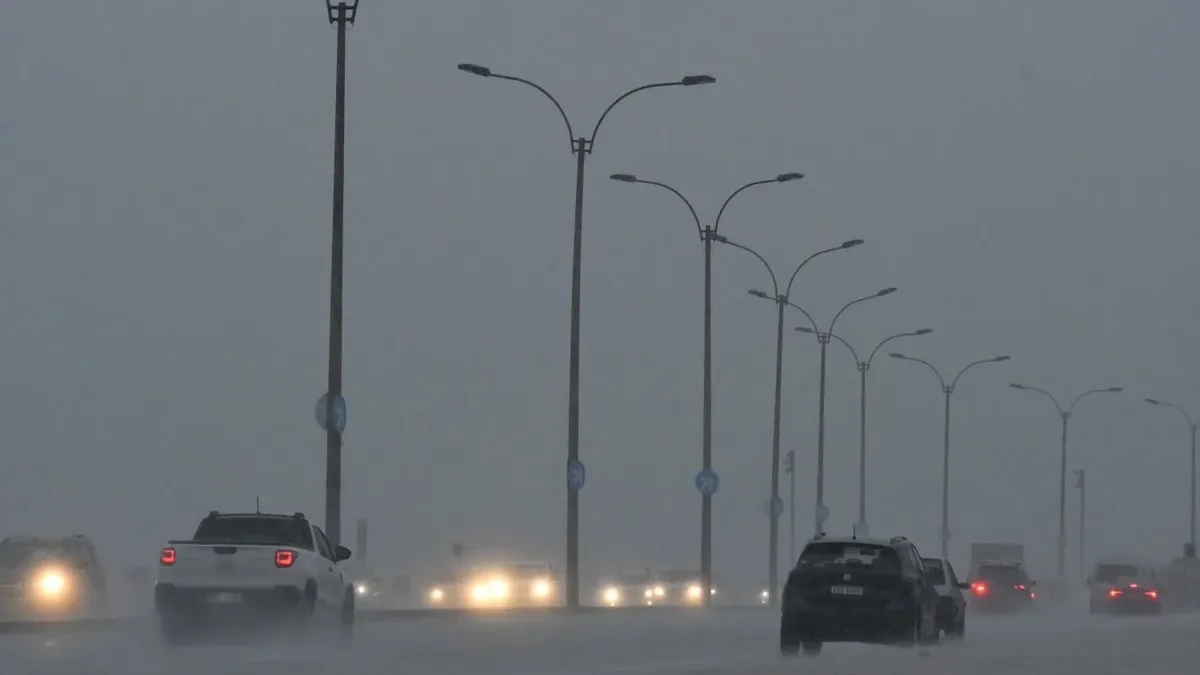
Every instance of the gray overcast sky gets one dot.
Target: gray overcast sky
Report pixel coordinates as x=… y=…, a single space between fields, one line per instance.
x=1024 y=172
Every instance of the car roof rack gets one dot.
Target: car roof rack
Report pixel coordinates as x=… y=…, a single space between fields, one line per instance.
x=298 y=515
x=897 y=540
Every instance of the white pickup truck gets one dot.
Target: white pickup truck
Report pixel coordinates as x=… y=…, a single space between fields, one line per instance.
x=244 y=566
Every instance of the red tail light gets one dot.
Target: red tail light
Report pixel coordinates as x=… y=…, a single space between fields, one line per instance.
x=1020 y=587
x=285 y=558
x=167 y=557
x=1114 y=592
x=1152 y=594
x=1133 y=585
x=980 y=588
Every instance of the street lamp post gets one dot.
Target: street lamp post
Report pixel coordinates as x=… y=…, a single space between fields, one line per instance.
x=340 y=14
x=781 y=301
x=708 y=235
x=581 y=147
x=861 y=528
x=1192 y=424
x=822 y=512
x=947 y=390
x=1065 y=415
x=789 y=465
x=1081 y=485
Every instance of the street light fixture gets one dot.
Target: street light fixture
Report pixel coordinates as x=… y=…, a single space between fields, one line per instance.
x=821 y=514
x=861 y=528
x=340 y=14
x=1192 y=424
x=708 y=235
x=781 y=301
x=1065 y=415
x=947 y=390
x=581 y=147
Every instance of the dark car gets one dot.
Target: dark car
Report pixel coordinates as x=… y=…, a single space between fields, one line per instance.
x=51 y=577
x=952 y=604
x=857 y=590
x=1001 y=587
x=1124 y=589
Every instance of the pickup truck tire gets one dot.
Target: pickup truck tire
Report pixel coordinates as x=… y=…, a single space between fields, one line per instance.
x=346 y=620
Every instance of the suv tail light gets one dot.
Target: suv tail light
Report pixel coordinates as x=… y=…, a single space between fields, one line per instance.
x=284 y=558
x=980 y=588
x=1152 y=594
x=167 y=557
x=1114 y=592
x=1020 y=587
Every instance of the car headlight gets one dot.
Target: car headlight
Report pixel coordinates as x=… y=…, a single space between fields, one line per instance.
x=541 y=588
x=437 y=595
x=765 y=595
x=694 y=592
x=51 y=583
x=612 y=595
x=659 y=591
x=360 y=588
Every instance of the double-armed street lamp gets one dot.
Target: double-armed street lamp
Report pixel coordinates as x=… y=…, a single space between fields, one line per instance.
x=708 y=235
x=1192 y=424
x=1065 y=415
x=821 y=513
x=581 y=147
x=861 y=528
x=775 y=504
x=947 y=390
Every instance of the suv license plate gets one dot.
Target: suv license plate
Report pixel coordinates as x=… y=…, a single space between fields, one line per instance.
x=225 y=598
x=845 y=590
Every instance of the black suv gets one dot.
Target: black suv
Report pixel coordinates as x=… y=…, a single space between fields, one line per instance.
x=1001 y=586
x=846 y=589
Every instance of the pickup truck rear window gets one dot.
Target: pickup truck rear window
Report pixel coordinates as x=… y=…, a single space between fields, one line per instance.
x=280 y=531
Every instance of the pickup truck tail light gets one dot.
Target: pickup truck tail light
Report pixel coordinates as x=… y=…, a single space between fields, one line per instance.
x=285 y=558
x=167 y=557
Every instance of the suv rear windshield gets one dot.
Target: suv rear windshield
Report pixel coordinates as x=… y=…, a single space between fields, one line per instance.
x=1004 y=574
x=851 y=553
x=1108 y=574
x=278 y=530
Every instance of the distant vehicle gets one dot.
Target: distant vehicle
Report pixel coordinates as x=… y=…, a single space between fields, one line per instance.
x=952 y=604
x=51 y=577
x=628 y=587
x=246 y=566
x=995 y=552
x=370 y=588
x=1124 y=587
x=1001 y=586
x=679 y=587
x=846 y=589
x=510 y=585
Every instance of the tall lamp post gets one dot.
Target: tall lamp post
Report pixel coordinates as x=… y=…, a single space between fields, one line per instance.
x=947 y=390
x=581 y=147
x=1081 y=485
x=789 y=465
x=1192 y=424
x=340 y=14
x=774 y=507
x=1065 y=415
x=708 y=235
x=821 y=514
x=861 y=529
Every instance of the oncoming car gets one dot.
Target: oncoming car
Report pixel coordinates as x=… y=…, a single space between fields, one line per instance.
x=512 y=585
x=628 y=588
x=679 y=587
x=54 y=577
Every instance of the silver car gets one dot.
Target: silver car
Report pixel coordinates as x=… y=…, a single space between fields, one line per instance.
x=952 y=604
